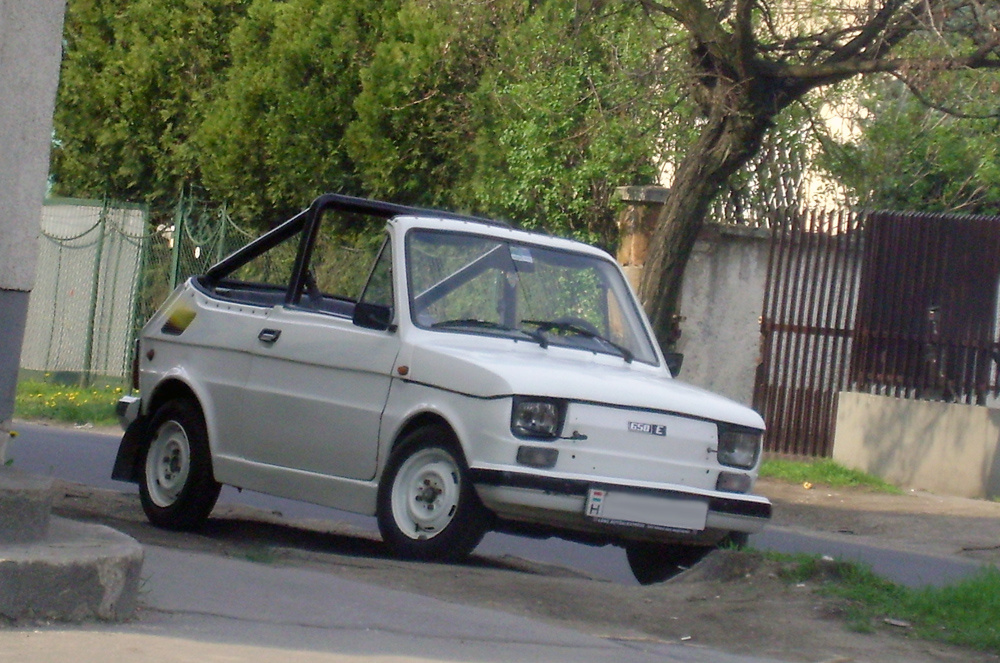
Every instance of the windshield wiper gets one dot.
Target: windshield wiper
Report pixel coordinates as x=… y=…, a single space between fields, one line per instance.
x=477 y=323
x=580 y=330
x=471 y=322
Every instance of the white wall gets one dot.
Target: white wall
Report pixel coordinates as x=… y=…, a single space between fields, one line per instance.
x=945 y=448
x=721 y=303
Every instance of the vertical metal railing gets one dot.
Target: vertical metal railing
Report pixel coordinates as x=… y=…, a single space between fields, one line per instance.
x=806 y=325
x=897 y=304
x=927 y=318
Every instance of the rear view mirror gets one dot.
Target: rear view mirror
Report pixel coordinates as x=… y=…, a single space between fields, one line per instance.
x=372 y=316
x=674 y=361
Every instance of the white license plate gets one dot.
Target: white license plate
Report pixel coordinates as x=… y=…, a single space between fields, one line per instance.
x=617 y=507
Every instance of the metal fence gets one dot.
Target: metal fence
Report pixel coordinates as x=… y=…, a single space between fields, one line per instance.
x=890 y=303
x=928 y=320
x=198 y=235
x=807 y=323
x=102 y=270
x=82 y=307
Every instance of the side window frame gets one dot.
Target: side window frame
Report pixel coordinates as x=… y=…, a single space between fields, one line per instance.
x=369 y=312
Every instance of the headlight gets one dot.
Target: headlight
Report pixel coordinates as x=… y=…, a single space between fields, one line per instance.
x=739 y=447
x=537 y=418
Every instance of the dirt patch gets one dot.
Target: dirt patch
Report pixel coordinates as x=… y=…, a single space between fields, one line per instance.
x=733 y=601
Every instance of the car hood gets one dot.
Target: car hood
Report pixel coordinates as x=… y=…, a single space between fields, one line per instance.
x=505 y=368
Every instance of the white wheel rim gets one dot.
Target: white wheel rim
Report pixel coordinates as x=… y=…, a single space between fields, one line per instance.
x=425 y=493
x=168 y=464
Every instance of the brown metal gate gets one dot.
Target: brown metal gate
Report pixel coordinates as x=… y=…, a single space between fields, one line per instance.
x=911 y=312
x=926 y=324
x=806 y=328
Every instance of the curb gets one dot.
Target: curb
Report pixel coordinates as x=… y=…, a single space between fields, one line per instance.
x=57 y=569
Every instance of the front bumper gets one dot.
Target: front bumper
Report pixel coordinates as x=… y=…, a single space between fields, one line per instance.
x=561 y=503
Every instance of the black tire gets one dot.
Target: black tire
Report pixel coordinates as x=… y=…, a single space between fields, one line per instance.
x=736 y=541
x=427 y=507
x=656 y=562
x=176 y=486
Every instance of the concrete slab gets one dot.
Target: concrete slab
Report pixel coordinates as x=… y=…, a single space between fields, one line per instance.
x=79 y=571
x=25 y=505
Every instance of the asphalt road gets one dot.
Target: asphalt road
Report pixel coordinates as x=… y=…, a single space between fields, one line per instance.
x=199 y=607
x=87 y=457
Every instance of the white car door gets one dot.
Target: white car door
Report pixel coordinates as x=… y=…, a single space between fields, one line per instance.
x=318 y=385
x=317 y=388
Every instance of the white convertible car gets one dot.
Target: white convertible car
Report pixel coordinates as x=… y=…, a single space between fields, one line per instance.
x=460 y=376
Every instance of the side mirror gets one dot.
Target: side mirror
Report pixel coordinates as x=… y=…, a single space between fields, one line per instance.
x=372 y=316
x=674 y=361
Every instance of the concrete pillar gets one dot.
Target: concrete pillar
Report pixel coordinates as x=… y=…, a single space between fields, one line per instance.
x=30 y=55
x=635 y=226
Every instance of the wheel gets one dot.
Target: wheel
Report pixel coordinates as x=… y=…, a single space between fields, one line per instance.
x=735 y=540
x=656 y=562
x=427 y=507
x=176 y=486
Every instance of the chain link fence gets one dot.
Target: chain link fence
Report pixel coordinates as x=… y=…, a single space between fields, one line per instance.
x=199 y=235
x=81 y=313
x=103 y=270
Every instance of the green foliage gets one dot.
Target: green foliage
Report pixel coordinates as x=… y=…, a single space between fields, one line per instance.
x=273 y=137
x=939 y=162
x=530 y=111
x=58 y=402
x=823 y=472
x=570 y=110
x=414 y=112
x=135 y=78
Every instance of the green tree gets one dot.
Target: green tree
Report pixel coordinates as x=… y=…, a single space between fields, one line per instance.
x=135 y=78
x=529 y=111
x=273 y=137
x=940 y=162
x=415 y=115
x=748 y=61
x=570 y=108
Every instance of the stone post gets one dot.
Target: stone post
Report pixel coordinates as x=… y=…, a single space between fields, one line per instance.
x=635 y=225
x=30 y=54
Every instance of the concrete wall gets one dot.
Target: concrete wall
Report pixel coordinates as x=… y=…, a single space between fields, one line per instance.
x=721 y=303
x=944 y=448
x=30 y=53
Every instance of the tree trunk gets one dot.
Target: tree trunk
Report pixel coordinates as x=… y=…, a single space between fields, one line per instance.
x=726 y=143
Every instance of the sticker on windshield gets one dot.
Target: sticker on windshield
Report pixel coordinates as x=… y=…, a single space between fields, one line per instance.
x=521 y=254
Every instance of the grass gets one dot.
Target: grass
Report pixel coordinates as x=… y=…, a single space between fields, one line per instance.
x=58 y=402
x=823 y=472
x=966 y=614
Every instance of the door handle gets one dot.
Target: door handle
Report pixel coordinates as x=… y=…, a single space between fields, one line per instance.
x=268 y=335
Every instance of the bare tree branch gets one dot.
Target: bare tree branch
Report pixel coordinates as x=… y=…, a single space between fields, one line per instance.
x=948 y=110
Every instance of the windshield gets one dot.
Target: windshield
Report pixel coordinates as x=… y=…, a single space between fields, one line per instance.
x=471 y=284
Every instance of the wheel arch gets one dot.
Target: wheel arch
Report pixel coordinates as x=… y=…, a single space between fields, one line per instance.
x=420 y=420
x=171 y=389
x=459 y=537
x=127 y=462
